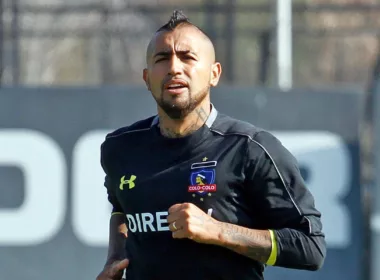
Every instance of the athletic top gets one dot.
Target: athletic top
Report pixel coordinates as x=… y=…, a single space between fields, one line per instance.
x=232 y=170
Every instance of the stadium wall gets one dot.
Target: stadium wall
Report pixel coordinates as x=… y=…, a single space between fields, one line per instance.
x=53 y=208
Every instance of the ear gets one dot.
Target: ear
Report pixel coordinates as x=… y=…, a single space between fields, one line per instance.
x=216 y=71
x=146 y=78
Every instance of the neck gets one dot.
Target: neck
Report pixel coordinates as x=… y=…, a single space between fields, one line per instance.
x=180 y=128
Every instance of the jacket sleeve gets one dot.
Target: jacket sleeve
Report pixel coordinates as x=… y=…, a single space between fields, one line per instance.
x=285 y=204
x=109 y=183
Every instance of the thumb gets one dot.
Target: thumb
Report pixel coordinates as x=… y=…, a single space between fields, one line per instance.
x=119 y=266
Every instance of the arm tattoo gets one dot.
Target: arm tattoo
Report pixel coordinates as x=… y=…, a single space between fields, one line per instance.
x=255 y=244
x=194 y=126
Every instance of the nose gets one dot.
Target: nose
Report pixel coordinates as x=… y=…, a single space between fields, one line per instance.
x=175 y=66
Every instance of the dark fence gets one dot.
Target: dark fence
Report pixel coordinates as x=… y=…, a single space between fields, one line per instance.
x=333 y=44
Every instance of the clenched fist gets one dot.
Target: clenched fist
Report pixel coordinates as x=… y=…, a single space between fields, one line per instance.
x=188 y=221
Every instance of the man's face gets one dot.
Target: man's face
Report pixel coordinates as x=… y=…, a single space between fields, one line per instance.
x=180 y=70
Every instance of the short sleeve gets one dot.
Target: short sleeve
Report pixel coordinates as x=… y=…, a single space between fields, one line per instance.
x=109 y=184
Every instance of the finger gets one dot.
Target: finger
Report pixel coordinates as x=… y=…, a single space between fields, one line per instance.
x=173 y=217
x=122 y=264
x=175 y=226
x=119 y=266
x=175 y=208
x=179 y=234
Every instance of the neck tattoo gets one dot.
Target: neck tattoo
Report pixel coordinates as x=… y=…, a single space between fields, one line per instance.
x=192 y=127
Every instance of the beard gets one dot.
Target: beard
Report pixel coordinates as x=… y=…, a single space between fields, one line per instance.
x=178 y=107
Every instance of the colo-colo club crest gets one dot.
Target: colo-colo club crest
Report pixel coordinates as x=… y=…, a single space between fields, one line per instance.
x=202 y=179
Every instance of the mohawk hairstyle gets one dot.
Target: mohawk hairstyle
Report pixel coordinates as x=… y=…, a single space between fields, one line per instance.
x=177 y=18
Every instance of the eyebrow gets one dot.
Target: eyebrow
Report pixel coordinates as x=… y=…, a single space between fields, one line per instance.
x=168 y=53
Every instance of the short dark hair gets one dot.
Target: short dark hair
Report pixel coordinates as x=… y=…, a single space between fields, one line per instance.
x=177 y=18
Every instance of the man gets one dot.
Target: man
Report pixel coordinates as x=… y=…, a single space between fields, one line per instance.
x=195 y=193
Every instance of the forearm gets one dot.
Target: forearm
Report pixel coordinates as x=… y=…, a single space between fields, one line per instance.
x=254 y=244
x=117 y=238
x=293 y=248
x=299 y=250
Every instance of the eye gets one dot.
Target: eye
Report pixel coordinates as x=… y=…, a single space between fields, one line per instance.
x=160 y=59
x=189 y=57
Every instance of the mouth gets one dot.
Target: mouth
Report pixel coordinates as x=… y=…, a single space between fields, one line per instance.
x=175 y=86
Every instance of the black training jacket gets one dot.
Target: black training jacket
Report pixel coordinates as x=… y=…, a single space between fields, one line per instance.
x=236 y=172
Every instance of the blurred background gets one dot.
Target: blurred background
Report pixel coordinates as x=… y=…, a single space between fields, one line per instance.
x=71 y=71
